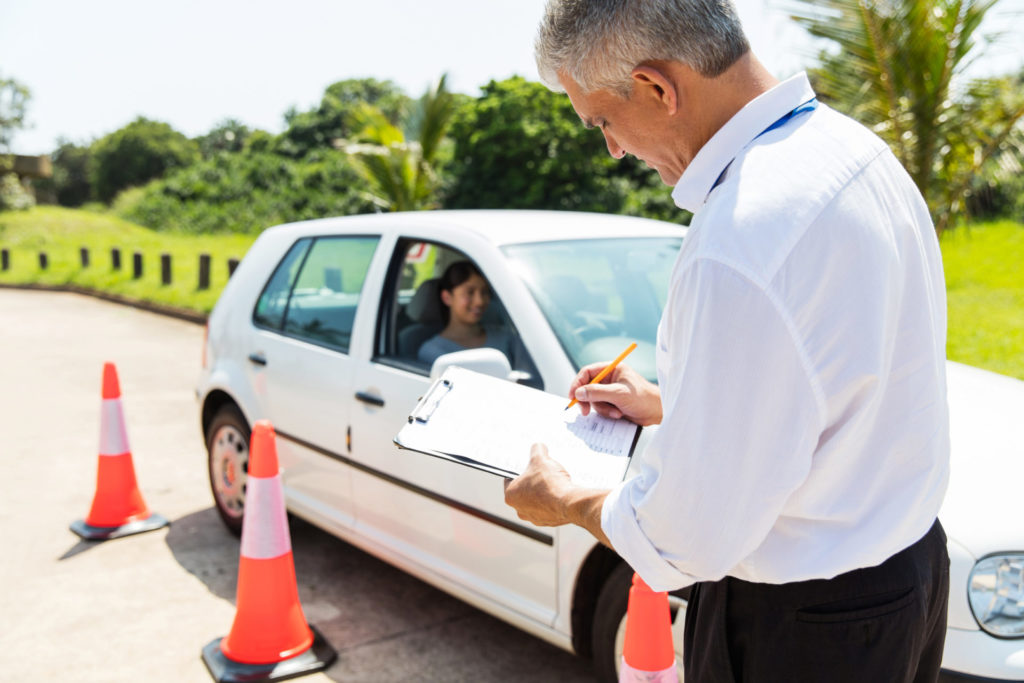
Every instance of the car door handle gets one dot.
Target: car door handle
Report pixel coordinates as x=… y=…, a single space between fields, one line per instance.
x=257 y=359
x=369 y=398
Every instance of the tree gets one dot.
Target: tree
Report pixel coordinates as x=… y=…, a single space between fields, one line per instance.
x=229 y=135
x=334 y=118
x=520 y=145
x=135 y=154
x=399 y=165
x=899 y=70
x=70 y=182
x=13 y=103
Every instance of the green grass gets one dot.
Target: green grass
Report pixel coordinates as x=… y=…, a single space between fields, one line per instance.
x=984 y=277
x=985 y=292
x=62 y=232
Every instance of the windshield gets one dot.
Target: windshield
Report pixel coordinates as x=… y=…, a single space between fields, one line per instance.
x=600 y=295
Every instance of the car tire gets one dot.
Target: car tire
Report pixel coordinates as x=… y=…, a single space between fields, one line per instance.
x=610 y=623
x=227 y=448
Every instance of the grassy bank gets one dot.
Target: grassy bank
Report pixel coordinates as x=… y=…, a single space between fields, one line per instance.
x=62 y=232
x=985 y=290
x=984 y=280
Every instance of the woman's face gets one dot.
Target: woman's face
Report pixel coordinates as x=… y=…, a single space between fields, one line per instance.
x=468 y=301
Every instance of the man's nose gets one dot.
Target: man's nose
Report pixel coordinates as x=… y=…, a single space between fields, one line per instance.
x=613 y=147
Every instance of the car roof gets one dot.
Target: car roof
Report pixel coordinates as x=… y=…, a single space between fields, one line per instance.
x=498 y=226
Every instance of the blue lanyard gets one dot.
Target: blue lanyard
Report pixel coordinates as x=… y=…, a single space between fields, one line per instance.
x=809 y=105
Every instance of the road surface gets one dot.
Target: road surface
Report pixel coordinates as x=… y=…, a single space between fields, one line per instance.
x=143 y=607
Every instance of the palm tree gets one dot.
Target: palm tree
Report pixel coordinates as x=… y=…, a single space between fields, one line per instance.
x=400 y=165
x=899 y=70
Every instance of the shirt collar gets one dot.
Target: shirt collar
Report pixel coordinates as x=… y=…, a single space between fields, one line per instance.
x=699 y=178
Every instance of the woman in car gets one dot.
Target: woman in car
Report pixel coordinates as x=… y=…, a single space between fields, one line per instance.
x=465 y=296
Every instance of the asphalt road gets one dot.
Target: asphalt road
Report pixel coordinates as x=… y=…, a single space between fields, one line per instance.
x=143 y=607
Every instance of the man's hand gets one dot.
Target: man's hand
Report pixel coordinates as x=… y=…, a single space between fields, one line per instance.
x=623 y=393
x=545 y=495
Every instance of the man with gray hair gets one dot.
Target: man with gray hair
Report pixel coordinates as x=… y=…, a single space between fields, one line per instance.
x=803 y=448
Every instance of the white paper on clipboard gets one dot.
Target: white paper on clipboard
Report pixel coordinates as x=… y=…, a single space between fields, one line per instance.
x=490 y=423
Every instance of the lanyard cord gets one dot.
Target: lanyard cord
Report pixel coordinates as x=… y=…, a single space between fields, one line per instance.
x=809 y=105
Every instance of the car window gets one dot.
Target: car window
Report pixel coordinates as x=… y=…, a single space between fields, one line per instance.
x=414 y=314
x=322 y=305
x=600 y=294
x=273 y=301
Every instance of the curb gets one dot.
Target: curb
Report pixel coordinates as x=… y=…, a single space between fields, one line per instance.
x=161 y=309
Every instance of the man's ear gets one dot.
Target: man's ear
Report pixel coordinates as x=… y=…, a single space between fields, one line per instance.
x=657 y=83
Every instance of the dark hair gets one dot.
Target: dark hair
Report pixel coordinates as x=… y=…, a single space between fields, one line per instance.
x=454 y=275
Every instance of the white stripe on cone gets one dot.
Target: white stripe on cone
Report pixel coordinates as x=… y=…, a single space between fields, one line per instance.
x=265 y=525
x=113 y=436
x=628 y=674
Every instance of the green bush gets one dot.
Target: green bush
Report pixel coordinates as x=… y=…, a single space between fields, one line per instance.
x=247 y=192
x=12 y=195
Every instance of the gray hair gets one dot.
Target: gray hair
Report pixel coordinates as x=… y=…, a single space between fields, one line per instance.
x=598 y=43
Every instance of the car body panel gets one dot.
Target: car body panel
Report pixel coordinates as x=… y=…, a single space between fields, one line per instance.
x=987 y=460
x=986 y=468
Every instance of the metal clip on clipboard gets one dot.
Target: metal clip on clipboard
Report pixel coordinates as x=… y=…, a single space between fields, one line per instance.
x=429 y=403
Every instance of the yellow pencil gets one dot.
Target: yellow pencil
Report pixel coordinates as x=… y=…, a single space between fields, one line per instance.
x=604 y=373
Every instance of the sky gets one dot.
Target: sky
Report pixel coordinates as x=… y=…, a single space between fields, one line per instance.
x=93 y=67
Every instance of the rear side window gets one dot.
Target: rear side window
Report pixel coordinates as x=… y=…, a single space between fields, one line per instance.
x=272 y=303
x=319 y=281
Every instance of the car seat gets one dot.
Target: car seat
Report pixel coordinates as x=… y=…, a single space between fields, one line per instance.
x=424 y=309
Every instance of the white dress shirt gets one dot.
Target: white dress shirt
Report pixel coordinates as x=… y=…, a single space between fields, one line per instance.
x=801 y=361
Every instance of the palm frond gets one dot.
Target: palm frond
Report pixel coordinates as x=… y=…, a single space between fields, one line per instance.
x=896 y=68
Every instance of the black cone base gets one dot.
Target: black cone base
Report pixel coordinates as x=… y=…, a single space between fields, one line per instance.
x=103 y=533
x=318 y=657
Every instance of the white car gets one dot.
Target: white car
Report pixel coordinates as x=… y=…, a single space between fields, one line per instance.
x=318 y=331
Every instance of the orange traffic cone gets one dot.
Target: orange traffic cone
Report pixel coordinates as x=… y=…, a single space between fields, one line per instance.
x=647 y=655
x=117 y=506
x=269 y=639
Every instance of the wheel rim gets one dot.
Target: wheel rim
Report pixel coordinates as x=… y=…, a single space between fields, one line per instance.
x=678 y=607
x=229 y=465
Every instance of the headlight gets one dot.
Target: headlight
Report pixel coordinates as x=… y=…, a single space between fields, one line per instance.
x=996 y=591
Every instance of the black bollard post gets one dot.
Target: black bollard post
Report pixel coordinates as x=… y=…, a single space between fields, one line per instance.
x=115 y=258
x=5 y=259
x=44 y=262
x=165 y=268
x=136 y=265
x=83 y=255
x=232 y=264
x=204 y=271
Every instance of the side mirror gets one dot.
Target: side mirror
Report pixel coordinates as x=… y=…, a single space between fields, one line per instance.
x=486 y=361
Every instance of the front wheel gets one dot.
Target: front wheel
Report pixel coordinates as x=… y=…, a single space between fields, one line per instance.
x=227 y=446
x=609 y=631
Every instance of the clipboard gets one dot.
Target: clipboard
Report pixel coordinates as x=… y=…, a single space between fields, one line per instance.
x=489 y=423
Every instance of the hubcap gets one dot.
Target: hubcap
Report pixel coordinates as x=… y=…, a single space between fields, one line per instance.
x=678 y=607
x=229 y=461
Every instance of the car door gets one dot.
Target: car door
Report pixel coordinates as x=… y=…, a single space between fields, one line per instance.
x=304 y=322
x=449 y=519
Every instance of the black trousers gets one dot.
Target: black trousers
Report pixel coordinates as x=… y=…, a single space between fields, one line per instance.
x=883 y=624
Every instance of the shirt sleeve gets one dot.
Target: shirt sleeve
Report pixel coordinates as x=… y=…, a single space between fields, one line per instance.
x=741 y=420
